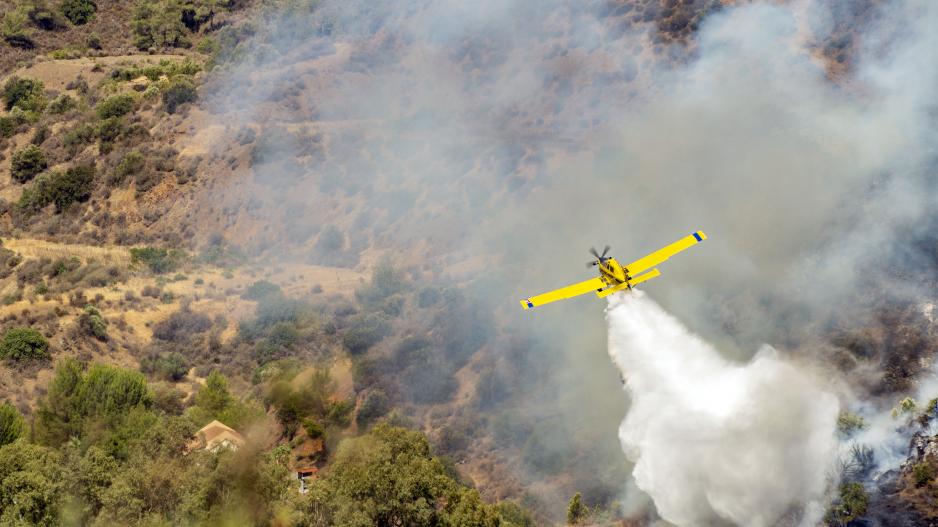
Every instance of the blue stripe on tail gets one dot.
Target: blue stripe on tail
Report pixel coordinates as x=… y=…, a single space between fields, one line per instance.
x=698 y=237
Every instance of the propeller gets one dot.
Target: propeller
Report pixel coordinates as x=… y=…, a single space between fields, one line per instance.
x=600 y=258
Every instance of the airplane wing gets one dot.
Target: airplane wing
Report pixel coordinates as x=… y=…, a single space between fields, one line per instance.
x=663 y=254
x=570 y=291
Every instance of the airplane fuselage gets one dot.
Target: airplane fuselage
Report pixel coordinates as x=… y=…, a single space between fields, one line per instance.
x=612 y=272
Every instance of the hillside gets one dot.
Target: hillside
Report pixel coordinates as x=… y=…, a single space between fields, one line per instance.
x=312 y=221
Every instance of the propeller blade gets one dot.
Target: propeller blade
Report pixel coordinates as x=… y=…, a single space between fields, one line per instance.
x=606 y=250
x=591 y=264
x=594 y=253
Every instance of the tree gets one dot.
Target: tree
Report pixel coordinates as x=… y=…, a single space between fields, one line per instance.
x=59 y=188
x=11 y=424
x=26 y=163
x=159 y=24
x=576 y=511
x=389 y=477
x=30 y=484
x=78 y=12
x=24 y=343
x=214 y=401
x=79 y=401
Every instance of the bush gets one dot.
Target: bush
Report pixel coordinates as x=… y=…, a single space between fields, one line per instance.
x=922 y=474
x=7 y=126
x=260 y=290
x=92 y=323
x=132 y=163
x=59 y=188
x=576 y=511
x=158 y=24
x=26 y=163
x=23 y=93
x=15 y=31
x=181 y=325
x=313 y=429
x=851 y=504
x=178 y=93
x=43 y=17
x=23 y=343
x=365 y=331
x=11 y=424
x=374 y=406
x=157 y=259
x=116 y=106
x=78 y=12
x=169 y=366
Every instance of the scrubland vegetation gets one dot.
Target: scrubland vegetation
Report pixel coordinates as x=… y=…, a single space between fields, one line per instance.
x=399 y=390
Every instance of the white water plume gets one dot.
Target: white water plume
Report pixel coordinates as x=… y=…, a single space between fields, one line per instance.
x=715 y=441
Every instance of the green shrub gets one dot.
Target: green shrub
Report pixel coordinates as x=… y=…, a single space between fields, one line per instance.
x=24 y=343
x=576 y=510
x=157 y=259
x=169 y=366
x=78 y=12
x=26 y=163
x=23 y=93
x=850 y=423
x=116 y=106
x=922 y=474
x=849 y=506
x=78 y=137
x=40 y=135
x=43 y=17
x=92 y=323
x=313 y=429
x=93 y=41
x=108 y=131
x=133 y=163
x=15 y=31
x=11 y=424
x=260 y=290
x=374 y=406
x=178 y=93
x=8 y=126
x=158 y=23
x=364 y=332
x=59 y=188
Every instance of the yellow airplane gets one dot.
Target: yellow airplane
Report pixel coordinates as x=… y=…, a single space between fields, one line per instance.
x=613 y=276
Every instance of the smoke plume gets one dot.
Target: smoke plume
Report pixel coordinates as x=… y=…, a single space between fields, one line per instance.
x=713 y=440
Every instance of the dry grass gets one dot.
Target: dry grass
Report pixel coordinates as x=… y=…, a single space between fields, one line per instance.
x=33 y=248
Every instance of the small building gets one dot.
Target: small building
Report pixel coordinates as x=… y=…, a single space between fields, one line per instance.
x=305 y=475
x=216 y=436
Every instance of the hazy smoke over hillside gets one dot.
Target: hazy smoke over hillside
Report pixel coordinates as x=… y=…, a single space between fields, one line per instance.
x=514 y=135
x=712 y=440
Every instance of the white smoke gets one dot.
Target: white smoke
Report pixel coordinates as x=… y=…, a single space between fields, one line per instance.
x=715 y=441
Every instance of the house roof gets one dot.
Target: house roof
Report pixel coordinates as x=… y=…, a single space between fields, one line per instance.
x=216 y=434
